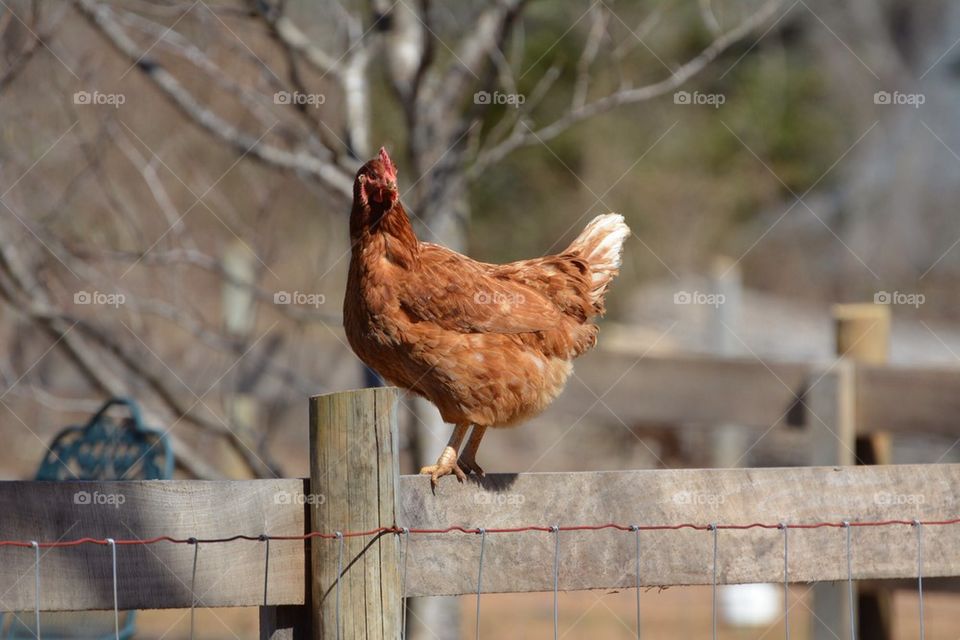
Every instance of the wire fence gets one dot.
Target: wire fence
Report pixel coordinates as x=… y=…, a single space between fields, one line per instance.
x=405 y=532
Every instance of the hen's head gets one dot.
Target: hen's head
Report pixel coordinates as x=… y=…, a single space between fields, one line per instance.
x=376 y=182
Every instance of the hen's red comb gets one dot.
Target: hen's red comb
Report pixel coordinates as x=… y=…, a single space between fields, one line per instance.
x=387 y=163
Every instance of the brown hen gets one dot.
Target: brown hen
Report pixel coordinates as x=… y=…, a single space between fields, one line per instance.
x=490 y=345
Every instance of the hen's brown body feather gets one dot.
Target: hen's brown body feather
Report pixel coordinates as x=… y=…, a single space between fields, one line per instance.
x=488 y=344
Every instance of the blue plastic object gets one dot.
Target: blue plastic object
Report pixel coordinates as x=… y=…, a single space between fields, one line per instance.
x=106 y=448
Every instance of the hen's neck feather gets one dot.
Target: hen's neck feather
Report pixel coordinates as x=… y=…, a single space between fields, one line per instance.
x=393 y=234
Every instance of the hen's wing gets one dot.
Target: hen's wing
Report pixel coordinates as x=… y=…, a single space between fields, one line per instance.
x=564 y=279
x=460 y=294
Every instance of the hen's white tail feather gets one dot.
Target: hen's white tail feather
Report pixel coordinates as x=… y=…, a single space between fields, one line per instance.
x=601 y=245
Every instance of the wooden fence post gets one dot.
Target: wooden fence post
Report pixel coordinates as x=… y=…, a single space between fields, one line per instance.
x=354 y=475
x=730 y=442
x=830 y=418
x=863 y=336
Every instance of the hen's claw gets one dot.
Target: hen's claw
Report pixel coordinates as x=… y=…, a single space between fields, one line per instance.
x=447 y=462
x=443 y=468
x=469 y=464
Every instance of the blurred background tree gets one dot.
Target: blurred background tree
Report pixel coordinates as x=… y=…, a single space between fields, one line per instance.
x=197 y=160
x=220 y=173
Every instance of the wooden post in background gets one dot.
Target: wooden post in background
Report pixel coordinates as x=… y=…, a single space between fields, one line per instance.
x=239 y=316
x=863 y=336
x=729 y=441
x=830 y=418
x=863 y=332
x=354 y=475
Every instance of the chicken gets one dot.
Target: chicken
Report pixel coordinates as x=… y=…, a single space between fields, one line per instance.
x=490 y=345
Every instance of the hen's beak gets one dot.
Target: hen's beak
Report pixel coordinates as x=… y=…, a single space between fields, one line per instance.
x=386 y=194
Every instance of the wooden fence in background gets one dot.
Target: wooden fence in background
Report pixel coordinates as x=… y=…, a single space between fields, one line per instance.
x=679 y=390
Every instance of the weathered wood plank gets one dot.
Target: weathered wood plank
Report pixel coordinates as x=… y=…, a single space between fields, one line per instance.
x=157 y=575
x=354 y=468
x=679 y=390
x=232 y=574
x=683 y=390
x=517 y=562
x=908 y=400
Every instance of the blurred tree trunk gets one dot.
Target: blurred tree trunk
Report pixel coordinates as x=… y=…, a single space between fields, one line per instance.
x=894 y=208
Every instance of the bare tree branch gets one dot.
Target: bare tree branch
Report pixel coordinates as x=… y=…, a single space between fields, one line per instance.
x=623 y=97
x=32 y=300
x=331 y=175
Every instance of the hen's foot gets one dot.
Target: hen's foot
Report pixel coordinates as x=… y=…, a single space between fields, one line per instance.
x=468 y=459
x=446 y=465
x=469 y=464
x=437 y=471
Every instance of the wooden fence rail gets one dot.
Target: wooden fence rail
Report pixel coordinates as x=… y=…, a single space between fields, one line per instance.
x=355 y=486
x=231 y=574
x=758 y=394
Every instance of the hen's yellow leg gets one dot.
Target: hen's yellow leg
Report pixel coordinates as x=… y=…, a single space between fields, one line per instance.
x=447 y=462
x=468 y=459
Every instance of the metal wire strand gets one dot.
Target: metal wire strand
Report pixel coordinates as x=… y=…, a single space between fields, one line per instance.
x=786 y=580
x=556 y=582
x=853 y=620
x=266 y=566
x=636 y=532
x=36 y=596
x=403 y=583
x=483 y=541
x=193 y=587
x=339 y=536
x=919 y=526
x=116 y=609
x=713 y=632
